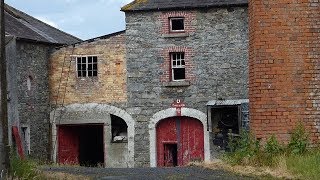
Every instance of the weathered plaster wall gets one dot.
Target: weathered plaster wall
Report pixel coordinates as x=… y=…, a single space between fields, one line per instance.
x=12 y=73
x=110 y=85
x=32 y=62
x=216 y=46
x=13 y=116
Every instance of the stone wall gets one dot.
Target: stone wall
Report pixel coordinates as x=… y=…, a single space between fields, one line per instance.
x=217 y=40
x=108 y=87
x=284 y=67
x=32 y=63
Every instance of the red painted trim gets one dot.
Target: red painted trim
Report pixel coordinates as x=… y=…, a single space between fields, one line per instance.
x=17 y=139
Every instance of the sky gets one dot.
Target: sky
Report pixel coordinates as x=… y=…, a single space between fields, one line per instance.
x=84 y=19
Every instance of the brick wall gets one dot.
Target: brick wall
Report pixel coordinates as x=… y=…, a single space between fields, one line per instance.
x=189 y=21
x=166 y=75
x=108 y=87
x=283 y=65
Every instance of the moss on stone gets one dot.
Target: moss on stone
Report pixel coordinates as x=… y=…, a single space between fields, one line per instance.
x=133 y=4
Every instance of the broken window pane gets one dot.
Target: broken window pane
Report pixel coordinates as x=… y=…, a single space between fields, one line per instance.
x=177 y=24
x=95 y=73
x=84 y=60
x=84 y=73
x=89 y=59
x=95 y=59
x=95 y=67
x=179 y=74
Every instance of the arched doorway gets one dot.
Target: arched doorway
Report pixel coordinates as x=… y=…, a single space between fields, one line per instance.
x=171 y=112
x=97 y=129
x=179 y=141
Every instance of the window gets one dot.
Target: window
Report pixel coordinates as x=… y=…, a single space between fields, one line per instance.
x=176 y=24
x=87 y=66
x=178 y=66
x=25 y=132
x=119 y=130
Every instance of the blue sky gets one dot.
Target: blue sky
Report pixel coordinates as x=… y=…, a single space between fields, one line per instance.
x=82 y=18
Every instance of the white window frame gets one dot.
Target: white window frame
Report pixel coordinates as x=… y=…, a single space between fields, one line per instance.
x=87 y=66
x=176 y=66
x=177 y=18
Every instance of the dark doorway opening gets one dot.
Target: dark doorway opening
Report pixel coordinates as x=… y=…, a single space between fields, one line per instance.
x=91 y=146
x=225 y=121
x=81 y=144
x=170 y=155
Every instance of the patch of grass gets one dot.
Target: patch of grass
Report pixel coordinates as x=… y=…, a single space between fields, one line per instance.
x=306 y=166
x=294 y=159
x=23 y=168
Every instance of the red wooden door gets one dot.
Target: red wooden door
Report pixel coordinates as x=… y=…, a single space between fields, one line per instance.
x=187 y=133
x=68 y=148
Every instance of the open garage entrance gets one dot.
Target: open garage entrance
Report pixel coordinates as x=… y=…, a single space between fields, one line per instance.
x=179 y=140
x=81 y=145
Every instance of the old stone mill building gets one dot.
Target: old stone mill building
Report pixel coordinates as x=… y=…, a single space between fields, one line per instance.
x=171 y=87
x=156 y=94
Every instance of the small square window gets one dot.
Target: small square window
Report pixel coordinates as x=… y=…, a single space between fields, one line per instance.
x=87 y=66
x=176 y=24
x=178 y=66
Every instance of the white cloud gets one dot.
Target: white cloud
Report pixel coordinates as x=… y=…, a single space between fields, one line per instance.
x=46 y=20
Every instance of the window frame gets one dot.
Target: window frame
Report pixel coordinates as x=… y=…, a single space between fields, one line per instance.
x=87 y=70
x=176 y=66
x=176 y=18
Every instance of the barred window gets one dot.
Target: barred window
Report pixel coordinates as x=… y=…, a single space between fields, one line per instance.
x=87 y=66
x=178 y=66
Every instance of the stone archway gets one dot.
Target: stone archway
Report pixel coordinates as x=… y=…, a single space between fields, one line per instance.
x=171 y=112
x=91 y=113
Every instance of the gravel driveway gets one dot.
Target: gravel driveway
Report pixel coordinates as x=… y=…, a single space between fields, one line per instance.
x=175 y=173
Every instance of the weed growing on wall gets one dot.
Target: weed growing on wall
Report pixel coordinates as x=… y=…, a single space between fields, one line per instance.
x=299 y=140
x=295 y=156
x=246 y=150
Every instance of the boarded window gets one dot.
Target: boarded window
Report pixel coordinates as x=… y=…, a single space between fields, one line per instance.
x=178 y=66
x=87 y=66
x=176 y=24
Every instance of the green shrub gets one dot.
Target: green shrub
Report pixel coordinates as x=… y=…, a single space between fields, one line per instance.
x=243 y=149
x=272 y=146
x=299 y=140
x=23 y=168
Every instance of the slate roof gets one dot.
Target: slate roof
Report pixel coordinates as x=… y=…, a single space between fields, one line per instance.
x=147 y=5
x=26 y=27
